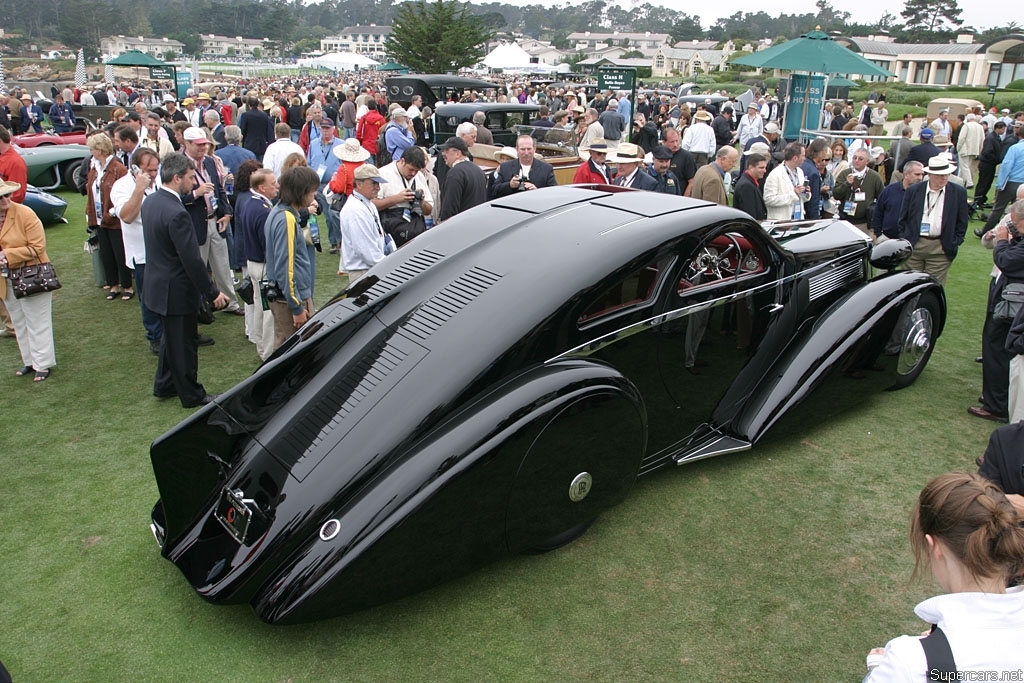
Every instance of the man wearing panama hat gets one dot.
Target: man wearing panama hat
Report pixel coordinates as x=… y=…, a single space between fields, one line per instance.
x=933 y=219
x=629 y=172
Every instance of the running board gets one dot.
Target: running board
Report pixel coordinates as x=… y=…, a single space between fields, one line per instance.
x=720 y=446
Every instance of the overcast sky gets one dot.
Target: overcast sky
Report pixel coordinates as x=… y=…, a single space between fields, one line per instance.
x=981 y=14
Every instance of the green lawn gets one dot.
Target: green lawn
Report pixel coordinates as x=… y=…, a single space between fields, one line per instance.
x=787 y=562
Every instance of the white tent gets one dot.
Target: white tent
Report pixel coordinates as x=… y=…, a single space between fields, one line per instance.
x=339 y=61
x=511 y=57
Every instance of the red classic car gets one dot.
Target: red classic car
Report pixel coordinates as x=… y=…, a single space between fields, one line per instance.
x=29 y=140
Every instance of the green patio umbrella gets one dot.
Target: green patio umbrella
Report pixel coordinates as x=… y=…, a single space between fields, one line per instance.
x=136 y=59
x=814 y=52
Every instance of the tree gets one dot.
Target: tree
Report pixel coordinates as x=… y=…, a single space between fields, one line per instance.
x=438 y=37
x=931 y=15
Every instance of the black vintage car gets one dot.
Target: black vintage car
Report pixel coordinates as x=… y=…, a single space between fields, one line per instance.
x=500 y=118
x=496 y=384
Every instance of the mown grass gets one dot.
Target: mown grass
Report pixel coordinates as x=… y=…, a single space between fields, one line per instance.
x=789 y=561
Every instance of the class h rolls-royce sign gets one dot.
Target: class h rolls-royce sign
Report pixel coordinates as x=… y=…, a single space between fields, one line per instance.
x=616 y=79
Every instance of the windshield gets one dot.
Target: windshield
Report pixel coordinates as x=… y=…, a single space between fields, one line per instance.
x=551 y=143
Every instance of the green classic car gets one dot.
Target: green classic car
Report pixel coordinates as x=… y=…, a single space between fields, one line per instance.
x=49 y=167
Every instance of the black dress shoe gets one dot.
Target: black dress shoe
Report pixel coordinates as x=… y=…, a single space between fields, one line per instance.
x=208 y=398
x=979 y=359
x=985 y=414
x=166 y=394
x=203 y=340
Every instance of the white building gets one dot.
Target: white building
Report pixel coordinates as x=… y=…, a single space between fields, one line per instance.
x=597 y=44
x=213 y=47
x=363 y=40
x=961 y=63
x=115 y=46
x=690 y=59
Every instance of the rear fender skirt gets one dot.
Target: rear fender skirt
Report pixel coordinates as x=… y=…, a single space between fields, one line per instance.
x=864 y=317
x=440 y=509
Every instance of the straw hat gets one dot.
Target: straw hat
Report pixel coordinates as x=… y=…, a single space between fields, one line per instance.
x=351 y=150
x=8 y=187
x=940 y=165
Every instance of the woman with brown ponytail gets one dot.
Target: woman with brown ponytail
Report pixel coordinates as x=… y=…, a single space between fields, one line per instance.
x=968 y=534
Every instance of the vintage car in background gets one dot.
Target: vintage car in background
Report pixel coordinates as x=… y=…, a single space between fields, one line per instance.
x=496 y=384
x=49 y=207
x=49 y=167
x=48 y=137
x=433 y=88
x=502 y=118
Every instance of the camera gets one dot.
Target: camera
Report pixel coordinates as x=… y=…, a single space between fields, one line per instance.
x=522 y=181
x=418 y=195
x=271 y=291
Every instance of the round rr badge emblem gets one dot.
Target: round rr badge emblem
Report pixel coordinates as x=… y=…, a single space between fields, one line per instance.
x=580 y=486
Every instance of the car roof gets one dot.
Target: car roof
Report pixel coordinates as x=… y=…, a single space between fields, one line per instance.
x=442 y=79
x=469 y=108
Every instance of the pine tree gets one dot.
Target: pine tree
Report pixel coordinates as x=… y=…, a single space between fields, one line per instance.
x=932 y=15
x=438 y=37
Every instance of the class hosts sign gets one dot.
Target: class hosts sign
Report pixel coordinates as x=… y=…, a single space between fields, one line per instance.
x=806 y=98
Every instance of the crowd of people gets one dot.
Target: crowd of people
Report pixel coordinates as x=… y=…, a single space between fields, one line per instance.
x=381 y=180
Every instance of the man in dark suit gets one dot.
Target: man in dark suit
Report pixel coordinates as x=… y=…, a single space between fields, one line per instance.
x=924 y=151
x=748 y=195
x=175 y=278
x=211 y=119
x=257 y=128
x=630 y=172
x=933 y=219
x=527 y=172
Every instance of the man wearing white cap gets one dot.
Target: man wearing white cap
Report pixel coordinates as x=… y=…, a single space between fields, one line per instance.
x=629 y=173
x=31 y=115
x=399 y=135
x=750 y=126
x=363 y=241
x=933 y=219
x=699 y=138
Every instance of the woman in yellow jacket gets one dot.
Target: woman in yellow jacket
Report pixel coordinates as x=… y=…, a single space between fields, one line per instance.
x=22 y=242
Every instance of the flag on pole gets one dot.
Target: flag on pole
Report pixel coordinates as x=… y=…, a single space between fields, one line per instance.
x=108 y=73
x=195 y=72
x=3 y=82
x=81 y=78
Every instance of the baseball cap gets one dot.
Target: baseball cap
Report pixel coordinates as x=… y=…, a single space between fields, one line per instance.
x=927 y=133
x=194 y=134
x=455 y=142
x=369 y=172
x=661 y=152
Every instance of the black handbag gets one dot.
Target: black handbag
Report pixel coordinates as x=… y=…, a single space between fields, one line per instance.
x=205 y=316
x=245 y=290
x=32 y=279
x=394 y=223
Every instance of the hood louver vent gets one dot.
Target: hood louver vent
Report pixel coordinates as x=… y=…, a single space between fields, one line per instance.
x=821 y=284
x=441 y=307
x=402 y=274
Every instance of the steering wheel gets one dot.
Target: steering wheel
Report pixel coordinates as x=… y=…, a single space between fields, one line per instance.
x=714 y=263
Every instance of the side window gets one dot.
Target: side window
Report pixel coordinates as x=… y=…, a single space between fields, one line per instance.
x=639 y=288
x=728 y=254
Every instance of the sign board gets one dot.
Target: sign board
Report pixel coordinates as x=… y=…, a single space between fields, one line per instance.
x=616 y=79
x=806 y=98
x=992 y=91
x=182 y=82
x=162 y=73
x=619 y=79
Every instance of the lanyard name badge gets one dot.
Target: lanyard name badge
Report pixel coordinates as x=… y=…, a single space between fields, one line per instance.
x=322 y=167
x=850 y=205
x=926 y=217
x=798 y=205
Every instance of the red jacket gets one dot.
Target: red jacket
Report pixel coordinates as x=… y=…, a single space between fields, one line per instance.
x=586 y=174
x=367 y=130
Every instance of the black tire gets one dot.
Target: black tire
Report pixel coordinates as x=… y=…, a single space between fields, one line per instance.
x=68 y=172
x=918 y=339
x=562 y=539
